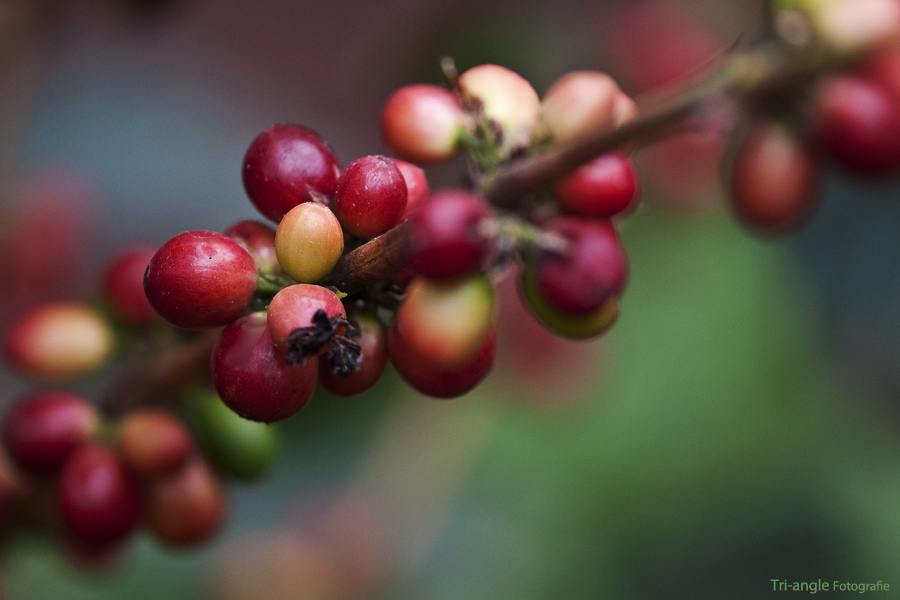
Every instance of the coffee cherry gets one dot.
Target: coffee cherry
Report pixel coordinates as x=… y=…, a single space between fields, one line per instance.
x=44 y=428
x=58 y=340
x=370 y=196
x=602 y=188
x=98 y=499
x=504 y=97
x=433 y=381
x=308 y=242
x=423 y=123
x=578 y=104
x=284 y=165
x=252 y=379
x=200 y=279
x=774 y=179
x=295 y=306
x=416 y=183
x=122 y=288
x=258 y=239
x=186 y=507
x=241 y=449
x=857 y=122
x=563 y=324
x=152 y=442
x=445 y=323
x=444 y=239
x=581 y=278
x=372 y=360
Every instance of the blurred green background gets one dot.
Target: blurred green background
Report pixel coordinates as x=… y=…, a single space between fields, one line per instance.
x=739 y=424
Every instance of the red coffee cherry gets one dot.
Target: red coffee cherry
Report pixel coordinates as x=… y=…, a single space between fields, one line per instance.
x=774 y=179
x=309 y=242
x=44 y=428
x=563 y=324
x=580 y=278
x=370 y=196
x=153 y=441
x=186 y=507
x=201 y=279
x=436 y=382
x=59 y=340
x=602 y=188
x=98 y=499
x=423 y=123
x=857 y=122
x=445 y=237
x=122 y=287
x=254 y=380
x=284 y=164
x=372 y=361
x=416 y=183
x=258 y=239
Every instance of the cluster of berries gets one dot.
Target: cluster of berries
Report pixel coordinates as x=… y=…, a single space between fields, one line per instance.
x=848 y=116
x=289 y=323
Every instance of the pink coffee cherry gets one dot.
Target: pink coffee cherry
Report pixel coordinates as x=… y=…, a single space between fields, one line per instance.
x=423 y=123
x=578 y=104
x=59 y=340
x=434 y=381
x=370 y=196
x=295 y=306
x=505 y=97
x=774 y=179
x=43 y=428
x=604 y=187
x=253 y=379
x=201 y=279
x=284 y=165
x=445 y=237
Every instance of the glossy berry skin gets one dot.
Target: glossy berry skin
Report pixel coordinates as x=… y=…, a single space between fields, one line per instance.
x=185 y=508
x=45 y=427
x=857 y=123
x=602 y=188
x=436 y=382
x=774 y=180
x=58 y=340
x=98 y=499
x=122 y=287
x=200 y=279
x=445 y=323
x=423 y=123
x=308 y=242
x=593 y=267
x=252 y=379
x=372 y=362
x=152 y=442
x=370 y=196
x=294 y=307
x=258 y=239
x=282 y=165
x=444 y=239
